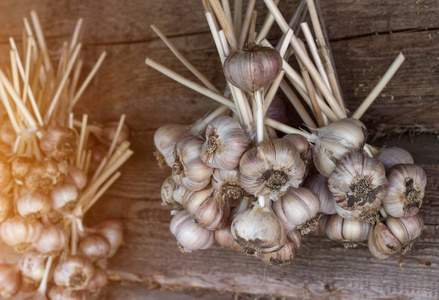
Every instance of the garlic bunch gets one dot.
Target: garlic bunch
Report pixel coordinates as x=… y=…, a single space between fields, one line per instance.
x=334 y=141
x=258 y=229
x=207 y=207
x=319 y=185
x=190 y=236
x=165 y=139
x=59 y=142
x=298 y=209
x=172 y=194
x=359 y=185
x=348 y=231
x=225 y=143
x=188 y=169
x=228 y=183
x=406 y=190
x=394 y=155
x=271 y=168
x=394 y=236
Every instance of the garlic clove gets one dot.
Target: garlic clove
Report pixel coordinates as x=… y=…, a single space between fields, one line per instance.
x=33 y=204
x=112 y=231
x=165 y=139
x=224 y=238
x=59 y=142
x=20 y=233
x=319 y=185
x=32 y=266
x=172 y=194
x=258 y=229
x=225 y=143
x=350 y=232
x=253 y=68
x=9 y=281
x=406 y=190
x=98 y=281
x=77 y=177
x=74 y=272
x=53 y=241
x=64 y=197
x=359 y=185
x=295 y=237
x=385 y=241
x=281 y=257
x=228 y=182
x=94 y=247
x=373 y=248
x=62 y=293
x=271 y=168
x=406 y=230
x=394 y=155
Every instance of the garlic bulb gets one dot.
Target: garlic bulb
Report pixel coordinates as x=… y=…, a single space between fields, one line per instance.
x=271 y=169
x=172 y=194
x=225 y=143
x=334 y=141
x=319 y=185
x=406 y=190
x=109 y=130
x=94 y=247
x=165 y=139
x=33 y=204
x=298 y=209
x=281 y=257
x=74 y=272
x=9 y=280
x=59 y=142
x=5 y=207
x=207 y=207
x=188 y=169
x=20 y=167
x=302 y=145
x=258 y=229
x=228 y=183
x=373 y=248
x=62 y=293
x=98 y=281
x=253 y=68
x=20 y=233
x=359 y=185
x=189 y=235
x=76 y=176
x=348 y=231
x=112 y=231
x=53 y=240
x=64 y=197
x=32 y=266
x=5 y=173
x=394 y=155
x=43 y=175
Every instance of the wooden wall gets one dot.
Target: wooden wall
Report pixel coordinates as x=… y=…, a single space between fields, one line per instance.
x=366 y=35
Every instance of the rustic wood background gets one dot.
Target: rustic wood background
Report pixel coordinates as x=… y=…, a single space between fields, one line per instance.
x=366 y=35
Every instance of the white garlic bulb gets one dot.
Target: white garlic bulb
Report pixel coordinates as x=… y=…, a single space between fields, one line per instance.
x=33 y=204
x=298 y=209
x=190 y=236
x=20 y=233
x=53 y=240
x=348 y=231
x=32 y=266
x=9 y=280
x=271 y=168
x=228 y=183
x=76 y=176
x=62 y=293
x=319 y=185
x=172 y=194
x=334 y=141
x=359 y=185
x=94 y=247
x=258 y=229
x=64 y=197
x=112 y=231
x=302 y=145
x=5 y=207
x=59 y=142
x=394 y=155
x=406 y=190
x=281 y=257
x=188 y=169
x=165 y=139
x=207 y=207
x=225 y=143
x=74 y=272
x=98 y=281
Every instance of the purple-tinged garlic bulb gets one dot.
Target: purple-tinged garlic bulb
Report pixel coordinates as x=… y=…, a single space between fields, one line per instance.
x=188 y=169
x=94 y=247
x=281 y=257
x=258 y=229
x=359 y=185
x=190 y=236
x=319 y=185
x=302 y=145
x=165 y=139
x=20 y=233
x=207 y=207
x=172 y=194
x=59 y=142
x=334 y=141
x=33 y=204
x=297 y=210
x=394 y=155
x=350 y=232
x=63 y=293
x=9 y=280
x=253 y=68
x=406 y=190
x=225 y=143
x=271 y=168
x=74 y=272
x=53 y=241
x=32 y=266
x=228 y=183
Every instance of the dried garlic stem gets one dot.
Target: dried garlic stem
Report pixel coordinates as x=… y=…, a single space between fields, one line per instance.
x=237 y=16
x=116 y=136
x=272 y=91
x=226 y=26
x=246 y=24
x=285 y=128
x=43 y=285
x=297 y=104
x=268 y=23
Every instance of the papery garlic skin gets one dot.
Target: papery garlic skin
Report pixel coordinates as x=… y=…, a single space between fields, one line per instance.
x=75 y=272
x=188 y=169
x=359 y=185
x=298 y=209
x=9 y=280
x=228 y=182
x=62 y=293
x=319 y=185
x=302 y=145
x=59 y=142
x=258 y=229
x=33 y=204
x=32 y=266
x=94 y=247
x=172 y=194
x=253 y=68
x=165 y=139
x=64 y=197
x=189 y=235
x=207 y=207
x=5 y=173
x=384 y=240
x=348 y=231
x=334 y=141
x=406 y=190
x=20 y=233
x=225 y=143
x=271 y=168
x=394 y=155
x=53 y=240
